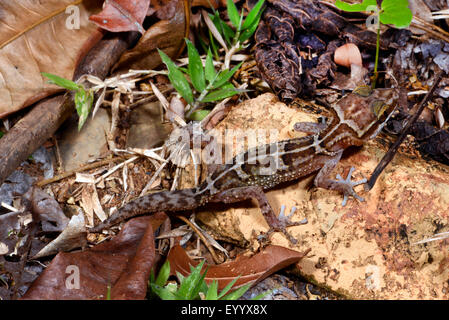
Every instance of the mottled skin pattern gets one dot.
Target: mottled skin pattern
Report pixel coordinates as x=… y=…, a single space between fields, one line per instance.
x=357 y=117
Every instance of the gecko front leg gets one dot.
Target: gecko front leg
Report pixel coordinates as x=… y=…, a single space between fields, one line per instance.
x=277 y=224
x=346 y=186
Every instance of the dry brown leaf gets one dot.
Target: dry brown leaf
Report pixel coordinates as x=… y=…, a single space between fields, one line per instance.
x=167 y=35
x=250 y=269
x=122 y=15
x=124 y=263
x=34 y=38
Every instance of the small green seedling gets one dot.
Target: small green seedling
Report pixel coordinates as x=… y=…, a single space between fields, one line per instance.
x=193 y=287
x=236 y=34
x=395 y=12
x=206 y=85
x=83 y=98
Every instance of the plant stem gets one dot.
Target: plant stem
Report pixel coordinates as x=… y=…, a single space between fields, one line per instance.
x=373 y=84
x=197 y=102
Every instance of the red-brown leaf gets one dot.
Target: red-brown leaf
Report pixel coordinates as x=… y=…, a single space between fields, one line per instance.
x=250 y=269
x=124 y=263
x=122 y=15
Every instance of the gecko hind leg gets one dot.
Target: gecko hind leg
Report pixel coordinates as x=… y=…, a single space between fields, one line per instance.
x=286 y=222
x=276 y=224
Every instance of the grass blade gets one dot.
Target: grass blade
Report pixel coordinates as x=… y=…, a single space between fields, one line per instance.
x=233 y=13
x=237 y=293
x=195 y=67
x=224 y=76
x=62 y=82
x=209 y=67
x=252 y=15
x=177 y=78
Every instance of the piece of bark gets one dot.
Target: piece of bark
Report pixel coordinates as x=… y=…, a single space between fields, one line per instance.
x=46 y=117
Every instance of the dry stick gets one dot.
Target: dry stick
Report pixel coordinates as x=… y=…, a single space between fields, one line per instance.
x=48 y=115
x=80 y=169
x=200 y=234
x=394 y=148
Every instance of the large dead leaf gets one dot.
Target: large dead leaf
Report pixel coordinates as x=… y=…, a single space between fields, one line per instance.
x=36 y=36
x=122 y=15
x=167 y=35
x=124 y=263
x=250 y=269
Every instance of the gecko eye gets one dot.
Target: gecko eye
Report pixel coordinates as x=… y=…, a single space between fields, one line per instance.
x=379 y=108
x=363 y=90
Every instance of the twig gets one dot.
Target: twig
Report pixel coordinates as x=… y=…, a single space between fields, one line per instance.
x=393 y=149
x=72 y=172
x=201 y=236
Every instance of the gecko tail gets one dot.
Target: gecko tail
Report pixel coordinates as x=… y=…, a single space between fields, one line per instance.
x=177 y=200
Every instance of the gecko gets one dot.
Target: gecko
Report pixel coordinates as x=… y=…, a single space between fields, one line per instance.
x=355 y=118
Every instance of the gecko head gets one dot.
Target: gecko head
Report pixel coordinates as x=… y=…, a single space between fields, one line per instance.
x=367 y=110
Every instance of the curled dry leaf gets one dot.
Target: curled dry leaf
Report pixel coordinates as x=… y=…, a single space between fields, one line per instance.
x=250 y=269
x=124 y=263
x=167 y=35
x=29 y=31
x=122 y=15
x=47 y=209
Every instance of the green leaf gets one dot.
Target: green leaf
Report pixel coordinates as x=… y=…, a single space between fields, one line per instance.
x=214 y=46
x=227 y=288
x=190 y=285
x=163 y=275
x=2 y=134
x=163 y=293
x=212 y=291
x=62 y=82
x=233 y=14
x=199 y=115
x=262 y=295
x=220 y=94
x=195 y=67
x=222 y=27
x=356 y=7
x=177 y=79
x=396 y=12
x=224 y=76
x=237 y=293
x=83 y=105
x=252 y=15
x=209 y=67
x=252 y=28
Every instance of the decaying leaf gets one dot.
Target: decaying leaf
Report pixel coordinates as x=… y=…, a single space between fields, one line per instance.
x=29 y=32
x=122 y=15
x=248 y=269
x=167 y=35
x=123 y=263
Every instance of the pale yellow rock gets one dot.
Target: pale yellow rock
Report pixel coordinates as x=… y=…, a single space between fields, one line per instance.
x=364 y=250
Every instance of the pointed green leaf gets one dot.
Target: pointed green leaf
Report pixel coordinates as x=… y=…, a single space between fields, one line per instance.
x=224 y=76
x=220 y=94
x=396 y=12
x=262 y=295
x=222 y=27
x=83 y=105
x=214 y=46
x=356 y=7
x=62 y=82
x=163 y=293
x=212 y=291
x=227 y=288
x=252 y=15
x=163 y=275
x=195 y=67
x=233 y=14
x=177 y=79
x=209 y=67
x=237 y=293
x=252 y=28
x=191 y=283
x=199 y=115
